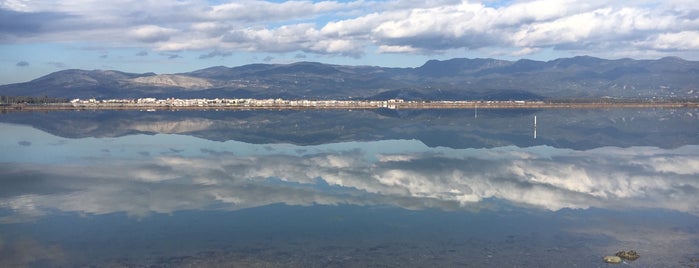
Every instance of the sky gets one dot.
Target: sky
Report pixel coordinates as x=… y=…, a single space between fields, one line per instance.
x=38 y=37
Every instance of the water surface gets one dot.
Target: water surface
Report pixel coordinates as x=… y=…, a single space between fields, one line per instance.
x=349 y=188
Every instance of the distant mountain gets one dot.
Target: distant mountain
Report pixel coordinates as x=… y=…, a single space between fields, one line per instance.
x=577 y=77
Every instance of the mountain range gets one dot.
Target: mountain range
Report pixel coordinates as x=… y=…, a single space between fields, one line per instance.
x=460 y=78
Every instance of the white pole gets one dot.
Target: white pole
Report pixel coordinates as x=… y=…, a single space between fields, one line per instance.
x=535 y=127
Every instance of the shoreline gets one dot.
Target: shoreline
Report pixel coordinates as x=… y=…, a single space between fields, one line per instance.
x=359 y=105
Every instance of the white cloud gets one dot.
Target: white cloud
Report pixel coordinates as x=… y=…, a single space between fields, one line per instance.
x=152 y=33
x=355 y=28
x=256 y=11
x=360 y=26
x=16 y=5
x=672 y=41
x=543 y=11
x=337 y=46
x=525 y=51
x=397 y=49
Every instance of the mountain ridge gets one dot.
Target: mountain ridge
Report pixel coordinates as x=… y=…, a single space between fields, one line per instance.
x=457 y=78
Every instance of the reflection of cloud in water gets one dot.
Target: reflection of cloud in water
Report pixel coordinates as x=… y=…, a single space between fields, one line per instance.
x=27 y=253
x=544 y=177
x=666 y=237
x=176 y=151
x=24 y=143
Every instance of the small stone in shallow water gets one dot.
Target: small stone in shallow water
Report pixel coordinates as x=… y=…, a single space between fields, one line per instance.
x=628 y=255
x=612 y=259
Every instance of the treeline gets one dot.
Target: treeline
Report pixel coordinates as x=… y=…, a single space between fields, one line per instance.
x=32 y=100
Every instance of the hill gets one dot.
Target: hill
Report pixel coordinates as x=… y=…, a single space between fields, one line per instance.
x=463 y=79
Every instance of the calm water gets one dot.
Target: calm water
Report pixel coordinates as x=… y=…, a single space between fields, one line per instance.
x=438 y=188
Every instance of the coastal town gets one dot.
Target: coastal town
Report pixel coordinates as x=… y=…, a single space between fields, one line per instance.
x=152 y=104
x=224 y=102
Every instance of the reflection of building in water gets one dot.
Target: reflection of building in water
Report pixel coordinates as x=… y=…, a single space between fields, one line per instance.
x=535 y=127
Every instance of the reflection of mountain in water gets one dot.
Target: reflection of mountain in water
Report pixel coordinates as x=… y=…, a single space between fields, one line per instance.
x=258 y=198
x=168 y=173
x=576 y=129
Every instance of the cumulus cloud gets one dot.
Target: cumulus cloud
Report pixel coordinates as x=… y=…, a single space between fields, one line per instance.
x=215 y=53
x=355 y=28
x=287 y=38
x=526 y=27
x=672 y=41
x=255 y=11
x=23 y=24
x=152 y=33
x=22 y=64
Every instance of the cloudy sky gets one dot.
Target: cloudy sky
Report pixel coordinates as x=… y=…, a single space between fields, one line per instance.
x=167 y=36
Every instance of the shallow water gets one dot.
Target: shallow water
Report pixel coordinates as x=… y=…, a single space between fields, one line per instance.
x=349 y=188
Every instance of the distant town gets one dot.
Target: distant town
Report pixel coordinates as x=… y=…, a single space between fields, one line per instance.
x=151 y=104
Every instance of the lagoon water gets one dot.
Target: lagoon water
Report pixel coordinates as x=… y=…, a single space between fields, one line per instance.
x=339 y=188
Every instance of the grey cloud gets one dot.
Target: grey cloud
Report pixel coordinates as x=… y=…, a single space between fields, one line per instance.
x=142 y=53
x=577 y=46
x=56 y=64
x=153 y=38
x=689 y=15
x=432 y=43
x=28 y=23
x=215 y=53
x=22 y=64
x=170 y=55
x=261 y=11
x=268 y=59
x=300 y=56
x=236 y=36
x=406 y=27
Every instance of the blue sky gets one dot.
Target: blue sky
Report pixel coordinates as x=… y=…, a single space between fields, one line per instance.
x=170 y=36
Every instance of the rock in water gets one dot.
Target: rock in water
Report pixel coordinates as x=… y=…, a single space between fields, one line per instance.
x=628 y=255
x=612 y=259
